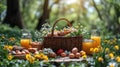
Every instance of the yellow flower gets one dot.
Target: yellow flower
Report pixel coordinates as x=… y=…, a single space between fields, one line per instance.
x=107 y=50
x=105 y=41
x=112 y=65
x=111 y=55
x=96 y=50
x=118 y=58
x=91 y=49
x=100 y=59
x=5 y=47
x=11 y=38
x=30 y=58
x=84 y=56
x=45 y=57
x=83 y=53
x=37 y=56
x=41 y=56
x=114 y=40
x=10 y=57
x=3 y=37
x=99 y=48
x=116 y=47
x=110 y=42
x=8 y=47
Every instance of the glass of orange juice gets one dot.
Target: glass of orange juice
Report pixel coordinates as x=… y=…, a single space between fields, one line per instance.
x=95 y=36
x=86 y=45
x=26 y=39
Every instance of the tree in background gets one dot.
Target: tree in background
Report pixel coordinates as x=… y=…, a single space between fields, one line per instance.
x=2 y=9
x=46 y=13
x=44 y=16
x=13 y=15
x=90 y=13
x=109 y=13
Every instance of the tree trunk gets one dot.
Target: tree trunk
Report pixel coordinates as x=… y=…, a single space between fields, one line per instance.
x=13 y=16
x=45 y=16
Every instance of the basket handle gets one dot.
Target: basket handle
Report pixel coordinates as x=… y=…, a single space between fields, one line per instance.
x=68 y=22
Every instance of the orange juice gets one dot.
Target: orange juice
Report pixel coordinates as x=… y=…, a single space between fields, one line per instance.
x=96 y=41
x=25 y=43
x=86 y=45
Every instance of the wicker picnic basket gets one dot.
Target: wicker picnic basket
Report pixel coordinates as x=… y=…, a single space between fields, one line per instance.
x=61 y=42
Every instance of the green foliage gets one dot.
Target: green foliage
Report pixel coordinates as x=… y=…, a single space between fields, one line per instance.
x=80 y=12
x=3 y=52
x=11 y=35
x=2 y=5
x=108 y=52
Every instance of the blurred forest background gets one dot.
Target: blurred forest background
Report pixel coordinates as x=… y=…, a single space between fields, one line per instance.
x=103 y=15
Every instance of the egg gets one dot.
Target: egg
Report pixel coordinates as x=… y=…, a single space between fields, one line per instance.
x=32 y=43
x=55 y=34
x=36 y=52
x=52 y=55
x=40 y=51
x=77 y=55
x=13 y=52
x=71 y=56
x=32 y=50
x=63 y=54
x=26 y=51
x=74 y=50
x=66 y=32
x=61 y=33
x=23 y=52
x=17 y=48
x=18 y=52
